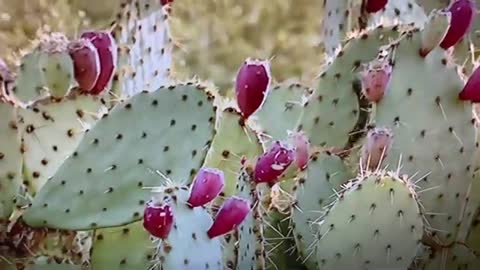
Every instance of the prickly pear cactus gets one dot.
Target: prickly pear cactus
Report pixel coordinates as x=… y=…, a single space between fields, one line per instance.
x=233 y=141
x=170 y=140
x=434 y=142
x=145 y=47
x=323 y=178
x=110 y=249
x=251 y=247
x=46 y=71
x=399 y=12
x=285 y=101
x=335 y=24
x=10 y=160
x=187 y=246
x=381 y=207
x=335 y=113
x=51 y=131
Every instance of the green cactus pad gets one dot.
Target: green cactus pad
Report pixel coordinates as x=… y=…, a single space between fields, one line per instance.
x=50 y=132
x=324 y=176
x=57 y=68
x=335 y=24
x=142 y=141
x=145 y=47
x=457 y=256
x=232 y=141
x=375 y=223
x=434 y=132
x=125 y=247
x=251 y=249
x=187 y=246
x=243 y=248
x=400 y=12
x=285 y=102
x=30 y=83
x=10 y=160
x=333 y=112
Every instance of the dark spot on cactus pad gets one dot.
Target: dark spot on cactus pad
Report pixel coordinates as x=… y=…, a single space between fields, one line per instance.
x=140 y=161
x=67 y=210
x=104 y=209
x=123 y=261
x=30 y=129
x=193 y=127
x=81 y=192
x=36 y=174
x=155 y=102
x=172 y=122
x=168 y=172
x=44 y=161
x=140 y=184
x=119 y=136
x=226 y=153
x=100 y=237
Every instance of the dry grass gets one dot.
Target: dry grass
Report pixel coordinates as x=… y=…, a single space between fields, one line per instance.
x=213 y=36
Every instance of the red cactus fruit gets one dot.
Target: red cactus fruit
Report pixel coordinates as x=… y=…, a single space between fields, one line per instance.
x=376 y=147
x=86 y=63
x=206 y=186
x=271 y=164
x=165 y=2
x=158 y=219
x=471 y=90
x=373 y=6
x=302 y=147
x=232 y=213
x=107 y=52
x=251 y=86
x=462 y=16
x=376 y=80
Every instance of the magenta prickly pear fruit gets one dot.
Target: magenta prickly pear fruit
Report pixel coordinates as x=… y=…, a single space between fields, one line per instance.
x=271 y=164
x=232 y=213
x=107 y=53
x=165 y=2
x=206 y=186
x=376 y=147
x=158 y=219
x=471 y=90
x=302 y=149
x=462 y=16
x=251 y=86
x=372 y=6
x=376 y=79
x=86 y=63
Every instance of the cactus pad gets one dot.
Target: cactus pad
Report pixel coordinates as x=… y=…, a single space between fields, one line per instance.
x=232 y=141
x=285 y=101
x=457 y=256
x=434 y=131
x=251 y=250
x=145 y=47
x=335 y=24
x=30 y=83
x=333 y=112
x=102 y=183
x=10 y=159
x=187 y=246
x=50 y=132
x=324 y=177
x=399 y=12
x=125 y=247
x=388 y=226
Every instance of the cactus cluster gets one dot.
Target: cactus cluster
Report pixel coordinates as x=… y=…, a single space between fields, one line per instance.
x=108 y=162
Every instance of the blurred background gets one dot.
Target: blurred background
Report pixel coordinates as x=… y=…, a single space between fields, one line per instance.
x=212 y=37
